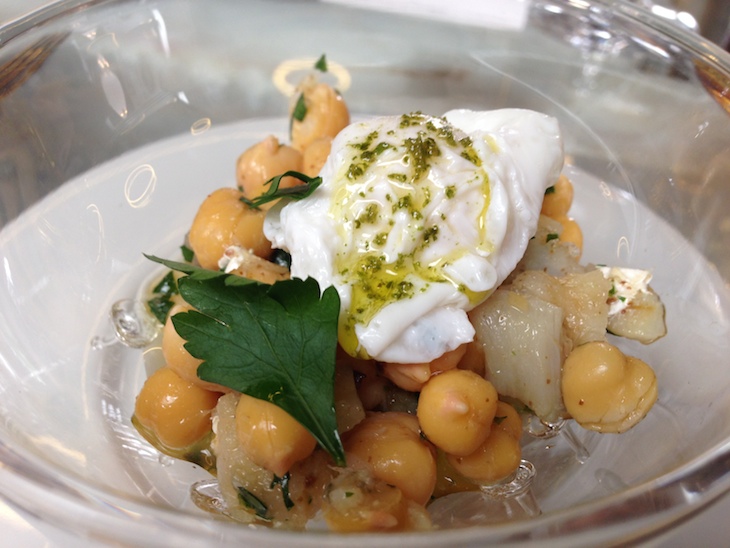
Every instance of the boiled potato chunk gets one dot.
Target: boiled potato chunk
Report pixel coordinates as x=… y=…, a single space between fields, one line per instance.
x=521 y=339
x=642 y=320
x=582 y=296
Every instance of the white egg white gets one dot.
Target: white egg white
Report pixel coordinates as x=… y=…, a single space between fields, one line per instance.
x=418 y=219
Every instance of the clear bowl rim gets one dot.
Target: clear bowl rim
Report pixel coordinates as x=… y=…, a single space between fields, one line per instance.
x=645 y=510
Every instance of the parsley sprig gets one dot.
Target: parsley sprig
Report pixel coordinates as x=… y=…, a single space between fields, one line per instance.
x=273 y=192
x=273 y=342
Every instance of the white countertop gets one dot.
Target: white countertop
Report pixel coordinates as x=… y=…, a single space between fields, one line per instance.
x=709 y=528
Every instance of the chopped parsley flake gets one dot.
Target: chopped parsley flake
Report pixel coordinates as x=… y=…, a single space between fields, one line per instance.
x=397 y=177
x=470 y=155
x=420 y=151
x=300 y=109
x=381 y=238
x=283 y=482
x=161 y=301
x=431 y=234
x=252 y=502
x=369 y=216
x=187 y=253
x=321 y=64
x=413 y=119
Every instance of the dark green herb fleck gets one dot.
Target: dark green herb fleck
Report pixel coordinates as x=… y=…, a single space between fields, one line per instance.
x=251 y=501
x=470 y=155
x=281 y=258
x=420 y=151
x=431 y=234
x=300 y=109
x=187 y=253
x=412 y=119
x=283 y=482
x=161 y=301
x=369 y=216
x=321 y=64
x=381 y=238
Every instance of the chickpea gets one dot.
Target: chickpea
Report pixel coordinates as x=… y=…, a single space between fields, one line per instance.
x=372 y=390
x=473 y=359
x=448 y=360
x=370 y=385
x=571 y=232
x=448 y=480
x=270 y=436
x=315 y=155
x=176 y=412
x=557 y=202
x=224 y=220
x=391 y=447
x=412 y=376
x=178 y=358
x=456 y=410
x=492 y=461
x=348 y=407
x=366 y=367
x=326 y=115
x=265 y=160
x=606 y=391
x=408 y=376
x=495 y=459
x=358 y=502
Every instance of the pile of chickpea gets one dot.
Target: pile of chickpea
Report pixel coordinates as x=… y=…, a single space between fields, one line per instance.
x=411 y=432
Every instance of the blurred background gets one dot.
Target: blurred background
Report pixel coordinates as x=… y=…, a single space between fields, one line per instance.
x=711 y=18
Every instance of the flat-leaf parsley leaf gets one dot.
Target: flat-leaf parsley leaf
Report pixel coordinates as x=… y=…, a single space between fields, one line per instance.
x=273 y=342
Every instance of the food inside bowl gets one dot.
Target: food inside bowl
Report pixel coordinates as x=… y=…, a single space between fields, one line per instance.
x=362 y=324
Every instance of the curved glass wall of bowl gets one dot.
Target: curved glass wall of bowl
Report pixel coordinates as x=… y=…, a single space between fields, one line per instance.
x=130 y=102
x=591 y=30
x=509 y=500
x=682 y=18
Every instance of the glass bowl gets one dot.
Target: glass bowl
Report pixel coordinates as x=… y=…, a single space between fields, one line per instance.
x=118 y=117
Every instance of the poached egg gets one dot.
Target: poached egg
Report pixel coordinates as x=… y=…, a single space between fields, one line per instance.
x=417 y=220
